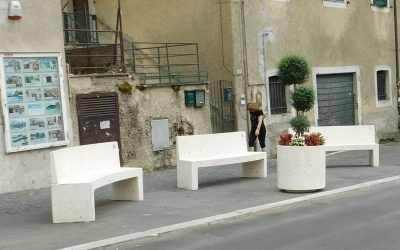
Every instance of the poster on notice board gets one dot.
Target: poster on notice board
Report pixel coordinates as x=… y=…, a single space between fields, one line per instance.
x=32 y=95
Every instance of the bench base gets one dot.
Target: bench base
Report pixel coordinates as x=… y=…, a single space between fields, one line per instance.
x=75 y=202
x=373 y=150
x=188 y=172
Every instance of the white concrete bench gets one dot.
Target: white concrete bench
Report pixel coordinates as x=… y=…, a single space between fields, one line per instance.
x=345 y=138
x=77 y=171
x=210 y=150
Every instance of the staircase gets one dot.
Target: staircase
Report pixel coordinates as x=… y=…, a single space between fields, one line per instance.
x=88 y=49
x=93 y=47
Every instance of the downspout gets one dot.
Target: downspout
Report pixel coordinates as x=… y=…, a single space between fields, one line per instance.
x=396 y=41
x=244 y=53
x=264 y=60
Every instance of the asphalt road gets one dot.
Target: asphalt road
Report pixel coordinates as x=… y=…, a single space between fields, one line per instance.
x=367 y=219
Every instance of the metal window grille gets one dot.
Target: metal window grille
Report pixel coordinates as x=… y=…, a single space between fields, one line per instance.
x=277 y=96
x=380 y=3
x=381 y=81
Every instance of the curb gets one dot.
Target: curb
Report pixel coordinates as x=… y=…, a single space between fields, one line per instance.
x=222 y=217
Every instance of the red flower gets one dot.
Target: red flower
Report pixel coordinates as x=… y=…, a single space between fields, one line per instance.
x=314 y=139
x=285 y=139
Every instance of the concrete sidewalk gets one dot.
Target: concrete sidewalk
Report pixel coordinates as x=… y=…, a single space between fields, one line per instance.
x=25 y=217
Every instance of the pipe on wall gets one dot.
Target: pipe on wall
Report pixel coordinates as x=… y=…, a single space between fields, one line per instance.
x=396 y=41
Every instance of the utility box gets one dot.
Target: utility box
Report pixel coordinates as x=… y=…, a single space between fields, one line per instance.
x=228 y=94
x=194 y=98
x=200 y=98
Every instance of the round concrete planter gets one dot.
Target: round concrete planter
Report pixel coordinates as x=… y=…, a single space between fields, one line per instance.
x=301 y=168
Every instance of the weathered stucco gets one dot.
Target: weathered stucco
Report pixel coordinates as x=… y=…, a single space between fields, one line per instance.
x=355 y=36
x=136 y=113
x=40 y=30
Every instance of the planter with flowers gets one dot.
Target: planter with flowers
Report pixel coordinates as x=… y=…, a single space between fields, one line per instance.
x=301 y=159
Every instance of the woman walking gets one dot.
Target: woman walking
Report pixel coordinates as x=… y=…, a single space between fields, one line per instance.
x=257 y=126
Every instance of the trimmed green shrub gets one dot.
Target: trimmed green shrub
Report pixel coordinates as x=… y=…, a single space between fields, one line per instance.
x=293 y=69
x=300 y=124
x=303 y=98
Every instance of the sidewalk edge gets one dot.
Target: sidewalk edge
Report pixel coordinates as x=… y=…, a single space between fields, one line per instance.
x=221 y=217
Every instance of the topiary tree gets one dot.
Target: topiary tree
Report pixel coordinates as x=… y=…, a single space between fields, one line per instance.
x=303 y=98
x=294 y=69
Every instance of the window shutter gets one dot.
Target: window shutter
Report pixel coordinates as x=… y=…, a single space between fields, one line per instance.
x=380 y=3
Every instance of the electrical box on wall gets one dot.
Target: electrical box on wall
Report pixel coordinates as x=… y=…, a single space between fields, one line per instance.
x=194 y=98
x=228 y=94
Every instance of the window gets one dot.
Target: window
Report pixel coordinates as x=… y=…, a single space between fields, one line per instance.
x=335 y=3
x=277 y=95
x=383 y=86
x=381 y=82
x=380 y=5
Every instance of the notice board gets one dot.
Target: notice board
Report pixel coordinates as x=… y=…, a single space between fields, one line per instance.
x=33 y=101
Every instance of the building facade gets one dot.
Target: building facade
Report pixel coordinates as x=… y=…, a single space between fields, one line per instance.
x=34 y=112
x=350 y=46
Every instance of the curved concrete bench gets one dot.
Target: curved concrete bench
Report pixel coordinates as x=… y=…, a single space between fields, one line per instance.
x=211 y=150
x=76 y=172
x=345 y=138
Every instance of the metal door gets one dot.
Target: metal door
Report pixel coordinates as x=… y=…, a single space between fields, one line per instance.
x=335 y=99
x=222 y=106
x=98 y=118
x=81 y=16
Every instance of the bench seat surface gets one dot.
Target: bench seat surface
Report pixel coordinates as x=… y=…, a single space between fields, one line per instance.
x=103 y=177
x=210 y=161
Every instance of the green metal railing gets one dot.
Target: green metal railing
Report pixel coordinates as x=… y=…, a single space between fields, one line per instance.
x=166 y=63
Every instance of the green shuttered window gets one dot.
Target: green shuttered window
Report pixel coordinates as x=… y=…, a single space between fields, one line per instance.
x=380 y=3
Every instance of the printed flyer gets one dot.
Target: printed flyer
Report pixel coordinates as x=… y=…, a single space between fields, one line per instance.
x=31 y=88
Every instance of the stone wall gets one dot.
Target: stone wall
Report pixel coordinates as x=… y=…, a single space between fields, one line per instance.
x=136 y=112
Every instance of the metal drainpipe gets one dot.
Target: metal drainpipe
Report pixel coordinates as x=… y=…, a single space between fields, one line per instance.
x=244 y=53
x=396 y=52
x=264 y=53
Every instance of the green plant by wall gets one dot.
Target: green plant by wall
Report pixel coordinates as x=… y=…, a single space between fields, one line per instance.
x=303 y=98
x=293 y=69
x=125 y=88
x=300 y=125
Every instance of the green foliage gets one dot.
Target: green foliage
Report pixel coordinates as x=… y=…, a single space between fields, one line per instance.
x=300 y=125
x=125 y=88
x=303 y=98
x=293 y=69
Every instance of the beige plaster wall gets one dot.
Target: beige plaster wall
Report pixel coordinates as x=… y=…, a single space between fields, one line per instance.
x=136 y=113
x=327 y=37
x=40 y=30
x=206 y=22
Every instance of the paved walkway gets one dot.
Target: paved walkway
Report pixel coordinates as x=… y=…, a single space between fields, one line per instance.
x=25 y=217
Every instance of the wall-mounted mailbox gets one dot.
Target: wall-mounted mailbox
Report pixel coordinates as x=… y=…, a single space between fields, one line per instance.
x=194 y=98
x=228 y=94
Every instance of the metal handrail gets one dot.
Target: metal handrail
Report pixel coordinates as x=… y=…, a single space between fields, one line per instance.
x=170 y=63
